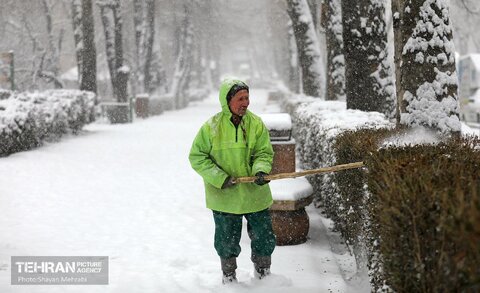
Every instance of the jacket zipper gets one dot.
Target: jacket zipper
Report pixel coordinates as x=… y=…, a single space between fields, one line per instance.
x=236 y=133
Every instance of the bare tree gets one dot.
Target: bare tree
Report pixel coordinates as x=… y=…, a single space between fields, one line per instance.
x=45 y=65
x=89 y=58
x=182 y=72
x=139 y=28
x=149 y=78
x=314 y=7
x=49 y=61
x=84 y=37
x=205 y=34
x=307 y=45
x=78 y=35
x=149 y=37
x=293 y=69
x=335 y=57
x=369 y=85
x=470 y=7
x=110 y=11
x=425 y=62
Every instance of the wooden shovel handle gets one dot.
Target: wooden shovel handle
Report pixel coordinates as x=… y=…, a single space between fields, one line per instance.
x=302 y=173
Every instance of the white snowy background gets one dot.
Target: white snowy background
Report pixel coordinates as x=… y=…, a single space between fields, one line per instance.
x=128 y=192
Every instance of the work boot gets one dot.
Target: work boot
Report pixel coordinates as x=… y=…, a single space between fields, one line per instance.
x=229 y=278
x=261 y=265
x=229 y=265
x=261 y=273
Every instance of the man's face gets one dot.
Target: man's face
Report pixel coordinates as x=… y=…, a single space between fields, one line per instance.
x=239 y=103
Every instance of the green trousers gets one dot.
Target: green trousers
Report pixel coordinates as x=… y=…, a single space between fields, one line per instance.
x=228 y=230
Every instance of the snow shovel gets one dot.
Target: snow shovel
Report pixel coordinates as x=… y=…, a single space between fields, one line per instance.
x=302 y=173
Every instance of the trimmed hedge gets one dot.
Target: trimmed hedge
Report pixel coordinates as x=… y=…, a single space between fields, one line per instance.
x=371 y=207
x=353 y=219
x=402 y=180
x=425 y=205
x=29 y=119
x=317 y=127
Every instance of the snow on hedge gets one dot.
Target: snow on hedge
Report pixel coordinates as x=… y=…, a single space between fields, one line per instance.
x=317 y=123
x=28 y=119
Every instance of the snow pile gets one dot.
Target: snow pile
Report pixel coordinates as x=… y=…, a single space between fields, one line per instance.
x=291 y=189
x=28 y=119
x=277 y=121
x=414 y=136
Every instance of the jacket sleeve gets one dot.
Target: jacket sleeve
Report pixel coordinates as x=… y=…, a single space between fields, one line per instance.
x=201 y=161
x=262 y=151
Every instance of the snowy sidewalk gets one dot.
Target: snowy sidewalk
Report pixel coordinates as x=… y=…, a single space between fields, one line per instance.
x=128 y=192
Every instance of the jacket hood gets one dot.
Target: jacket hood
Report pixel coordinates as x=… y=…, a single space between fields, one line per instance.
x=225 y=87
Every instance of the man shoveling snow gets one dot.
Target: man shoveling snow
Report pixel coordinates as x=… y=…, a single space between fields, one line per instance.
x=235 y=143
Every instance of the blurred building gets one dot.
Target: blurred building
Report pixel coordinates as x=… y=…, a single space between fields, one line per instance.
x=469 y=87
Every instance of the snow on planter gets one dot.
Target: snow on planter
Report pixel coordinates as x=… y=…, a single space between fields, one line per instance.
x=279 y=125
x=291 y=189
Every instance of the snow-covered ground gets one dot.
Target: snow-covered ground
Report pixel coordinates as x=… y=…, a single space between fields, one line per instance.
x=128 y=192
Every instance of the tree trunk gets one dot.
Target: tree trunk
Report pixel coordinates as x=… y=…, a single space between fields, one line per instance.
x=428 y=83
x=369 y=86
x=48 y=67
x=107 y=22
x=148 y=78
x=307 y=45
x=139 y=28
x=78 y=36
x=112 y=24
x=397 y=14
x=150 y=33
x=183 y=63
x=335 y=57
x=89 y=52
x=293 y=69
x=313 y=5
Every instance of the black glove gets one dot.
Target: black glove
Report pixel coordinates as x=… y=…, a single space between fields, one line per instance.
x=229 y=182
x=261 y=178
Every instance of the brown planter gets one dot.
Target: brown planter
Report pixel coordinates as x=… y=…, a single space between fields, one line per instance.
x=141 y=106
x=290 y=227
x=284 y=158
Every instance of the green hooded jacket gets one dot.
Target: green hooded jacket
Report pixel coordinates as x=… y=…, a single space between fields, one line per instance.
x=221 y=150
